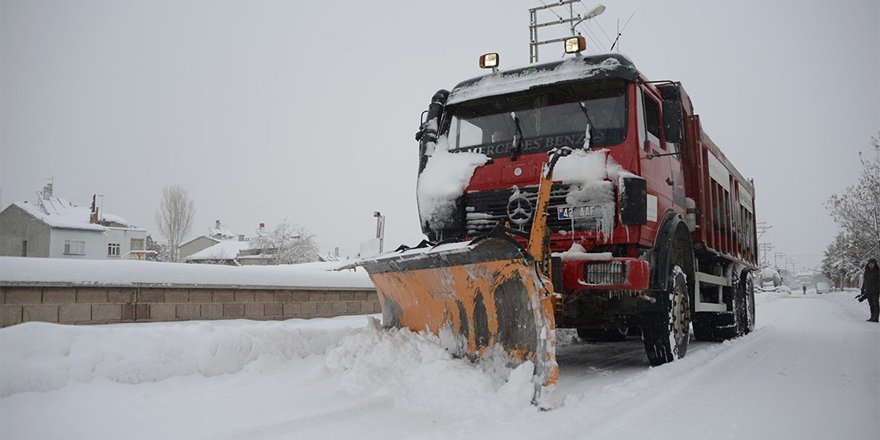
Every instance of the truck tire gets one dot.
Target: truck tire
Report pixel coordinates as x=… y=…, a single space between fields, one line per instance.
x=706 y=325
x=719 y=327
x=666 y=333
x=748 y=286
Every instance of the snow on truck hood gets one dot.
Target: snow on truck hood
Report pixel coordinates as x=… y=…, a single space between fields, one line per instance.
x=501 y=83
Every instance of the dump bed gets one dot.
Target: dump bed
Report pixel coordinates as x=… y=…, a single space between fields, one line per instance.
x=724 y=199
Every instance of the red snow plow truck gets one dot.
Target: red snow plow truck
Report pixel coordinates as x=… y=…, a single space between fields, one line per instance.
x=573 y=194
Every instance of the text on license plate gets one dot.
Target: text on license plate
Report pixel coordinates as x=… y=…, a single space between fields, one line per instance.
x=569 y=212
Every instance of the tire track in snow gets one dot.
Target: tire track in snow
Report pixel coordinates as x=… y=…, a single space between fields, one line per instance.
x=782 y=367
x=321 y=420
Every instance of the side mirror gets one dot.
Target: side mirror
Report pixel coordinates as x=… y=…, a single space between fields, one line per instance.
x=673 y=121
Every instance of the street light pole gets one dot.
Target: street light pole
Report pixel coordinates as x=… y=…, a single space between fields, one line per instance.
x=380 y=230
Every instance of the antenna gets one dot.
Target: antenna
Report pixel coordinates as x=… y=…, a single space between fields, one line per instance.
x=620 y=31
x=572 y=21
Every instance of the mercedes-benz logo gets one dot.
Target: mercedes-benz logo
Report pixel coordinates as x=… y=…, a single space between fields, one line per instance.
x=519 y=208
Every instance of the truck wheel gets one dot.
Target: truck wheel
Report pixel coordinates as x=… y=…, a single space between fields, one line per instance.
x=704 y=326
x=714 y=326
x=748 y=318
x=666 y=333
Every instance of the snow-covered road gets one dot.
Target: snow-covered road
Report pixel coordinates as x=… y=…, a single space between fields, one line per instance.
x=811 y=370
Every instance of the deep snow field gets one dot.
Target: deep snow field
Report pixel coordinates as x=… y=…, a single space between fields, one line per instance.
x=810 y=370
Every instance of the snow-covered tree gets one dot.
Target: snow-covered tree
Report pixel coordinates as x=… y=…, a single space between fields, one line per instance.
x=175 y=217
x=857 y=211
x=160 y=251
x=288 y=244
x=843 y=262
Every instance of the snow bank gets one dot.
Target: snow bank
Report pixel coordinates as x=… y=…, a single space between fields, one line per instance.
x=418 y=370
x=130 y=272
x=43 y=357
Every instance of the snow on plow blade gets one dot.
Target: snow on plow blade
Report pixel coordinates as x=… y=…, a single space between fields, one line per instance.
x=487 y=291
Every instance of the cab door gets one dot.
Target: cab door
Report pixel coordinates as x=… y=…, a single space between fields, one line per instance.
x=656 y=162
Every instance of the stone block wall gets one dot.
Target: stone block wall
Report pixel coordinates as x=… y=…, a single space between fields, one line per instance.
x=105 y=305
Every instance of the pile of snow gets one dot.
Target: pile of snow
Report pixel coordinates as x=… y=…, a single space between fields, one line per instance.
x=443 y=180
x=20 y=270
x=419 y=370
x=348 y=378
x=42 y=357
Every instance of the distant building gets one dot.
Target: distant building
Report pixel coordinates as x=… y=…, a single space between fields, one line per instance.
x=55 y=228
x=215 y=235
x=220 y=246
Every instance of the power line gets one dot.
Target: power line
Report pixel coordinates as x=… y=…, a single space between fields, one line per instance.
x=550 y=8
x=603 y=31
x=593 y=38
x=584 y=7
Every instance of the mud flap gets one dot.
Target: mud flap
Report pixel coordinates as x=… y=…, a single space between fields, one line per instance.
x=488 y=291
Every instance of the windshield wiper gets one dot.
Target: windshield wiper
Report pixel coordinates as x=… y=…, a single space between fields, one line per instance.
x=517 y=137
x=589 y=131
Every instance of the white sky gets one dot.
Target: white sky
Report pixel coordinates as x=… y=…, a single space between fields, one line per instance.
x=265 y=110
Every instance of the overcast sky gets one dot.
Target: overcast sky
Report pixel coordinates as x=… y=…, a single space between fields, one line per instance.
x=266 y=110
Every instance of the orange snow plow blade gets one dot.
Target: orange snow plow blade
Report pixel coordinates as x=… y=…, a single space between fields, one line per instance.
x=488 y=291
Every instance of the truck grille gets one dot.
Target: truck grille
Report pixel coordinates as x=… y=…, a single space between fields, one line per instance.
x=485 y=209
x=610 y=273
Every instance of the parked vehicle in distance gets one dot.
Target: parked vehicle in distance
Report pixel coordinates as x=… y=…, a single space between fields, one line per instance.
x=823 y=287
x=768 y=286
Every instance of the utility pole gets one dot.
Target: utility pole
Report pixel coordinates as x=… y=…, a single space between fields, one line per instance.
x=762 y=227
x=776 y=256
x=764 y=249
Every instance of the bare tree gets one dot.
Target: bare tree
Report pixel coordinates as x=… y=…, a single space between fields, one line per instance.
x=175 y=217
x=288 y=245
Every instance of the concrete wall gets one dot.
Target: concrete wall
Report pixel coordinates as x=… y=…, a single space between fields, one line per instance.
x=105 y=305
x=16 y=226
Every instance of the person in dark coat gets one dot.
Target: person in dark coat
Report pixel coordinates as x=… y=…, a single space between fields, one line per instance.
x=871 y=288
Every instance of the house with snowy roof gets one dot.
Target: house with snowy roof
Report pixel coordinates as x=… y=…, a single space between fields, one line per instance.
x=215 y=235
x=55 y=228
x=220 y=246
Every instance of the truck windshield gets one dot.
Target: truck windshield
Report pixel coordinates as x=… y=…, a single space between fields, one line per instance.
x=549 y=117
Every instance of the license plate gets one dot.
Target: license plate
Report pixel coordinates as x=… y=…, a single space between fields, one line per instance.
x=570 y=212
